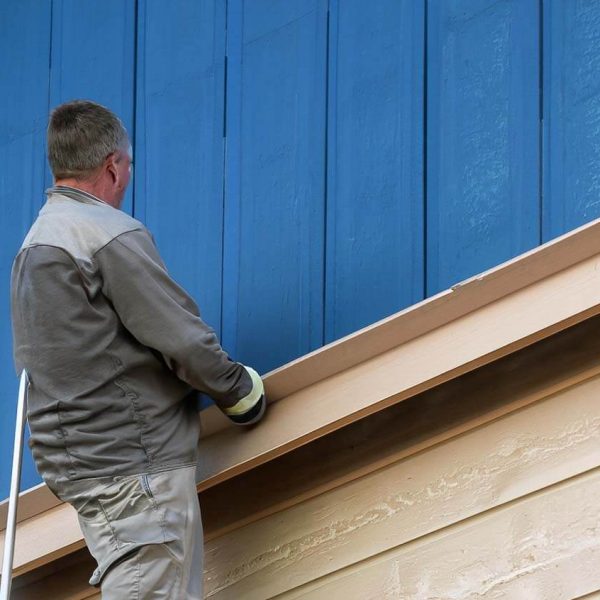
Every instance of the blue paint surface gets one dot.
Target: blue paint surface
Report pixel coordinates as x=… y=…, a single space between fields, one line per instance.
x=482 y=136
x=23 y=115
x=310 y=166
x=375 y=162
x=571 y=115
x=179 y=142
x=275 y=178
x=93 y=52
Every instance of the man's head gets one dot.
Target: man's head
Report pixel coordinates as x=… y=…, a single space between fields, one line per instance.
x=88 y=148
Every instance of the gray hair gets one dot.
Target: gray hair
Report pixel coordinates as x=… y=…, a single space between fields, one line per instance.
x=81 y=134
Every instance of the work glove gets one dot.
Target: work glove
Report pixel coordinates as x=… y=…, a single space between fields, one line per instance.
x=251 y=408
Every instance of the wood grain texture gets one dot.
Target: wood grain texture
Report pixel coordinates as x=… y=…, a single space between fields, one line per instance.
x=403 y=431
x=571 y=177
x=24 y=58
x=179 y=142
x=482 y=135
x=275 y=172
x=375 y=229
x=546 y=545
x=483 y=469
x=95 y=61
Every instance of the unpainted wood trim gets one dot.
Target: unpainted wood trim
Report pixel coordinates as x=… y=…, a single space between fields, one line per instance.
x=31 y=502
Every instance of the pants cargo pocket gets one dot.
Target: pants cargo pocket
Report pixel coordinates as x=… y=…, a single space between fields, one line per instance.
x=118 y=518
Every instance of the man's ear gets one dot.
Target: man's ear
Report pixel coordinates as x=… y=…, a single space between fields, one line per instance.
x=111 y=167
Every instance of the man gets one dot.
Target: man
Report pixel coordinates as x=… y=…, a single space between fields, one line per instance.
x=114 y=349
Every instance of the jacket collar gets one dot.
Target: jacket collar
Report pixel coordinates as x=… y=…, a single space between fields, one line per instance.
x=75 y=194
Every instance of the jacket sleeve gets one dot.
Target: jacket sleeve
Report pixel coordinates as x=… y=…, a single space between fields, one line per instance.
x=162 y=316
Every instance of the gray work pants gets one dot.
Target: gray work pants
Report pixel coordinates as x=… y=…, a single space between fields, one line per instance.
x=145 y=533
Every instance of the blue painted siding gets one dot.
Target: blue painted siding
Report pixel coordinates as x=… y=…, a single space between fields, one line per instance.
x=571 y=115
x=482 y=136
x=375 y=203
x=275 y=177
x=310 y=166
x=24 y=79
x=179 y=145
x=92 y=60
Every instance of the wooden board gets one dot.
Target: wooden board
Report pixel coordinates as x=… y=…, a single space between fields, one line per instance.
x=64 y=579
x=398 y=433
x=45 y=537
x=545 y=546
x=485 y=468
x=32 y=501
x=483 y=138
x=375 y=204
x=463 y=298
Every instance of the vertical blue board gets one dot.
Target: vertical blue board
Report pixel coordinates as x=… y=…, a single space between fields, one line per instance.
x=375 y=216
x=179 y=142
x=24 y=56
x=93 y=53
x=275 y=180
x=571 y=181
x=482 y=136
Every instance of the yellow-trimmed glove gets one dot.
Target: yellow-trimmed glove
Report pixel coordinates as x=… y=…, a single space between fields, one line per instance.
x=251 y=408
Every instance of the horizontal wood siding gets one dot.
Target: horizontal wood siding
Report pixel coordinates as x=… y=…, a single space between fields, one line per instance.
x=544 y=546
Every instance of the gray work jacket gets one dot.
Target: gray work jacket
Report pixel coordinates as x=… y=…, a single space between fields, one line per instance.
x=113 y=346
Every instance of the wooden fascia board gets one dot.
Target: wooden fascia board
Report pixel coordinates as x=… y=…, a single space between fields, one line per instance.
x=494 y=330
x=477 y=321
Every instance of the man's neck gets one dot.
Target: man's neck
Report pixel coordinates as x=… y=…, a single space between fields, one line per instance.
x=91 y=187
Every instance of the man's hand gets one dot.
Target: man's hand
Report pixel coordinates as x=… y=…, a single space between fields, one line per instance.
x=251 y=408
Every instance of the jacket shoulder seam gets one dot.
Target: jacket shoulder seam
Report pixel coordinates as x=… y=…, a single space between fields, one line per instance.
x=116 y=237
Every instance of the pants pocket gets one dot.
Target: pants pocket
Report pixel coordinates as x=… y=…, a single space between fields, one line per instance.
x=118 y=518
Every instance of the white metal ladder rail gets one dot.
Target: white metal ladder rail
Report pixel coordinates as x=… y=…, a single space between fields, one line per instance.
x=15 y=482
